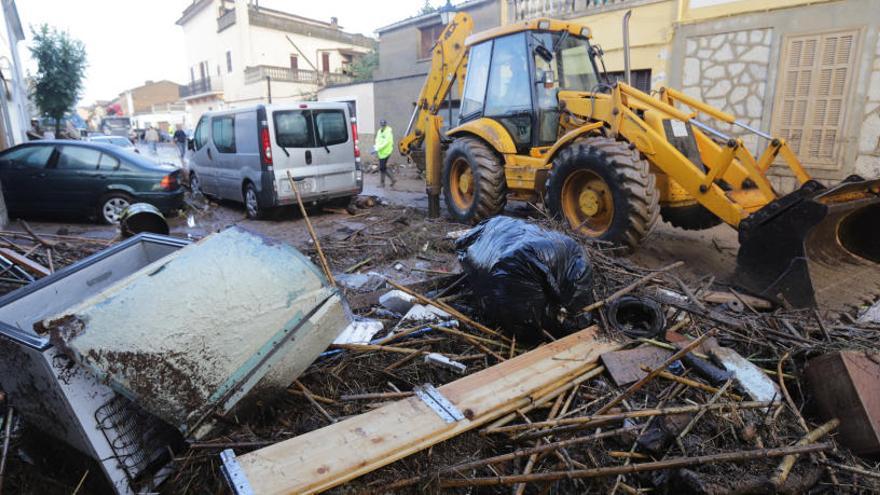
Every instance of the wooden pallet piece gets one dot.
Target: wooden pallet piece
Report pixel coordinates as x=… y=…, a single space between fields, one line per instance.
x=324 y=458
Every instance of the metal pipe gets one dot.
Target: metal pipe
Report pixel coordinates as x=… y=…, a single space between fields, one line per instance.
x=710 y=130
x=626 y=69
x=753 y=130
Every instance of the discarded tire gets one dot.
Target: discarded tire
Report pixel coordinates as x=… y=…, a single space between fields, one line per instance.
x=636 y=317
x=142 y=218
x=526 y=279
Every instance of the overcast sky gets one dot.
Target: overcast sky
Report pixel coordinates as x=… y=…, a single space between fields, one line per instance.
x=132 y=41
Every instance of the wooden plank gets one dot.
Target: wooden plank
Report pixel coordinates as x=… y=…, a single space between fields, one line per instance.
x=324 y=458
x=28 y=264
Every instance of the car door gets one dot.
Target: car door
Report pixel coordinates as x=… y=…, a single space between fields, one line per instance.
x=202 y=158
x=223 y=143
x=333 y=157
x=75 y=182
x=22 y=171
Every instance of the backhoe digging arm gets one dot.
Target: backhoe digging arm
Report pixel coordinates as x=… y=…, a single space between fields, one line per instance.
x=448 y=64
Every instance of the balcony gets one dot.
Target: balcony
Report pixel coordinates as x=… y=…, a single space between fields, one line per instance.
x=168 y=107
x=226 y=19
x=257 y=74
x=201 y=87
x=522 y=10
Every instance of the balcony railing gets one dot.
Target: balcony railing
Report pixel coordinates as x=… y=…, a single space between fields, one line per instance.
x=201 y=87
x=225 y=20
x=521 y=10
x=168 y=107
x=259 y=73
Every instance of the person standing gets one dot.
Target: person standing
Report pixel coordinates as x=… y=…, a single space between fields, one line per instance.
x=152 y=139
x=383 y=147
x=180 y=140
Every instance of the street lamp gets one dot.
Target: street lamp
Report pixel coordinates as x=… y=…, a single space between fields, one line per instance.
x=447 y=12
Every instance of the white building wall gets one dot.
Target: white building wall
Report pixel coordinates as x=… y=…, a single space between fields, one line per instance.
x=362 y=95
x=14 y=92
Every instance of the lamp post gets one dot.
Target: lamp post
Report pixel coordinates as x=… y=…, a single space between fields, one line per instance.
x=447 y=12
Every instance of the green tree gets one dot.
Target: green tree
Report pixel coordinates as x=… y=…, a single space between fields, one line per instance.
x=362 y=67
x=61 y=67
x=427 y=8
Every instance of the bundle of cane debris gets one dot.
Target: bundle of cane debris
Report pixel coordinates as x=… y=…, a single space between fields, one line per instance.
x=677 y=386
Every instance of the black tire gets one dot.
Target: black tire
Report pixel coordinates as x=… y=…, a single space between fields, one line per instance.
x=691 y=217
x=252 y=207
x=111 y=206
x=195 y=183
x=489 y=186
x=634 y=195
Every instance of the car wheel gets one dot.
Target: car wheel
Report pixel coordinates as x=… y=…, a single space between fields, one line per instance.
x=111 y=207
x=252 y=202
x=194 y=184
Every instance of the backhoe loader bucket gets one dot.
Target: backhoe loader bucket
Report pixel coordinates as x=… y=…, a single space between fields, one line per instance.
x=817 y=246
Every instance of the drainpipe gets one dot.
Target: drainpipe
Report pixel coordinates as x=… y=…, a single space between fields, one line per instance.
x=626 y=69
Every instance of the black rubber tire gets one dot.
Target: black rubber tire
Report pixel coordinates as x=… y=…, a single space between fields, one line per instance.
x=691 y=217
x=490 y=185
x=107 y=198
x=256 y=211
x=628 y=176
x=194 y=183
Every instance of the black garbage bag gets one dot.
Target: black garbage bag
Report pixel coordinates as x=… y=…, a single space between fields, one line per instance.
x=526 y=278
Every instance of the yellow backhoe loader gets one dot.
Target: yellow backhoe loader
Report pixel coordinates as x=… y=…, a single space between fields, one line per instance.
x=539 y=121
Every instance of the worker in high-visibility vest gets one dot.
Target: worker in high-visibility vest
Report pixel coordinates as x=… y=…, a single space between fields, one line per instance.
x=382 y=148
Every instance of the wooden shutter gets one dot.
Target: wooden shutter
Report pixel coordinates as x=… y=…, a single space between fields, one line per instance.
x=813 y=94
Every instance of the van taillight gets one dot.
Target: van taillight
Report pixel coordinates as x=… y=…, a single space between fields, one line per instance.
x=354 y=135
x=265 y=147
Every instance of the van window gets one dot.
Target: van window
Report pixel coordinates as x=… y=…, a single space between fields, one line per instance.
x=201 y=133
x=331 y=126
x=293 y=129
x=223 y=133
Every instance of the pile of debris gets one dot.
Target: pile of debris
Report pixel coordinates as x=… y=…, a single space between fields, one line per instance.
x=651 y=383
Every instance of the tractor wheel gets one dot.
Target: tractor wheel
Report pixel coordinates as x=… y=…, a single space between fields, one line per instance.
x=691 y=217
x=604 y=190
x=474 y=186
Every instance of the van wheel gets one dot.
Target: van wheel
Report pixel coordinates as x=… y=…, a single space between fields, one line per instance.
x=195 y=185
x=252 y=203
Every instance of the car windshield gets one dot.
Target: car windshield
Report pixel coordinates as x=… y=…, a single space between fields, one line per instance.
x=571 y=64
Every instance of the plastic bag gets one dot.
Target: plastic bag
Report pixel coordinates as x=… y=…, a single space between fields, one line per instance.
x=526 y=278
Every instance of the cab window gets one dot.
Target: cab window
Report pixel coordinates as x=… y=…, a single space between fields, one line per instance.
x=200 y=135
x=475 y=80
x=509 y=97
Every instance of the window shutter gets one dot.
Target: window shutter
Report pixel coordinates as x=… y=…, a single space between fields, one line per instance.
x=813 y=95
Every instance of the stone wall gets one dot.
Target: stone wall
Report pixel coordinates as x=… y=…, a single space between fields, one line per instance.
x=729 y=72
x=868 y=159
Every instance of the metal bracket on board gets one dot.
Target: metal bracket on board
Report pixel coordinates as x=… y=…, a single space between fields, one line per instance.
x=235 y=477
x=441 y=405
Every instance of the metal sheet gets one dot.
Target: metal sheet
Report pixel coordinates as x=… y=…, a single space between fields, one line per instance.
x=188 y=336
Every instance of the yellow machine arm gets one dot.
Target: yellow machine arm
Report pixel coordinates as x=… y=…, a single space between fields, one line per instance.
x=448 y=64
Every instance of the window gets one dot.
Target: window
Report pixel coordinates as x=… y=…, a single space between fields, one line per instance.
x=200 y=134
x=475 y=80
x=331 y=127
x=223 y=133
x=108 y=162
x=29 y=156
x=509 y=87
x=813 y=93
x=77 y=158
x=228 y=61
x=641 y=78
x=293 y=129
x=325 y=62
x=294 y=62
x=427 y=37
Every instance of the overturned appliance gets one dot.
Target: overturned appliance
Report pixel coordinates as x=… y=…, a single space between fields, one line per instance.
x=189 y=336
x=67 y=402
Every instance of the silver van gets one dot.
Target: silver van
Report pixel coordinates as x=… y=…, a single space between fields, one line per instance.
x=244 y=154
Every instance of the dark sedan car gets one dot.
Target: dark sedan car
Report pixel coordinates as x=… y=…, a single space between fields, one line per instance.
x=55 y=177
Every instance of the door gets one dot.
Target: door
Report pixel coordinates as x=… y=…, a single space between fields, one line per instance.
x=75 y=182
x=22 y=172
x=509 y=93
x=226 y=177
x=201 y=163
x=333 y=155
x=292 y=148
x=325 y=62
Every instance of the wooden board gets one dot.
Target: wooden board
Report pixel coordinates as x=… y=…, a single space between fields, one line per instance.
x=322 y=459
x=625 y=367
x=28 y=264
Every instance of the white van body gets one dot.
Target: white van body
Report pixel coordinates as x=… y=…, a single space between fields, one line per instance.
x=245 y=154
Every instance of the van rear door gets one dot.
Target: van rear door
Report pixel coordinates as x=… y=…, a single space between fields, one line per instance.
x=316 y=145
